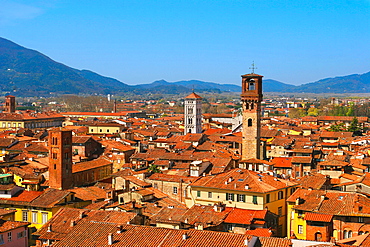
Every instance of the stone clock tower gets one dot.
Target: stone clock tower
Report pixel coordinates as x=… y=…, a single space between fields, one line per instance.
x=251 y=99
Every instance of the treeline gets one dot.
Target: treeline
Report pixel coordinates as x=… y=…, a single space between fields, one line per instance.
x=323 y=109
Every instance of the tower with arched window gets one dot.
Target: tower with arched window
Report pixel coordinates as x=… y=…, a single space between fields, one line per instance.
x=60 y=159
x=251 y=97
x=193 y=114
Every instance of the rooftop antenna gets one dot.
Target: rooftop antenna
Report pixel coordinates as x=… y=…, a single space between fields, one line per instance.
x=253 y=67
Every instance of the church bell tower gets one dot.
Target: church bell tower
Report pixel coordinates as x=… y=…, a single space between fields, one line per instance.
x=251 y=100
x=193 y=114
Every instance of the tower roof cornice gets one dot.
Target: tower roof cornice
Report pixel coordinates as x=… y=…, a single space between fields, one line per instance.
x=252 y=75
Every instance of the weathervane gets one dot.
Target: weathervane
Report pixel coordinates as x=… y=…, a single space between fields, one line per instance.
x=253 y=67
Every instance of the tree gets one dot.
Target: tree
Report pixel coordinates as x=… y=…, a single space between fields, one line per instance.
x=337 y=127
x=154 y=169
x=296 y=113
x=313 y=112
x=354 y=127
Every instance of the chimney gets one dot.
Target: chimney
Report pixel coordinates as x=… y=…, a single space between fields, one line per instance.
x=185 y=236
x=82 y=214
x=110 y=238
x=297 y=201
x=119 y=229
x=246 y=187
x=246 y=242
x=73 y=223
x=49 y=228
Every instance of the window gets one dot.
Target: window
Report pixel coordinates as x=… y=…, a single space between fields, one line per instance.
x=34 y=217
x=1 y=239
x=254 y=200
x=241 y=198
x=252 y=86
x=91 y=130
x=21 y=234
x=249 y=122
x=229 y=196
x=360 y=219
x=101 y=130
x=44 y=218
x=155 y=186
x=190 y=121
x=24 y=215
x=175 y=190
x=209 y=194
x=198 y=193
x=280 y=195
x=280 y=211
x=300 y=213
x=9 y=236
x=300 y=229
x=292 y=190
x=267 y=198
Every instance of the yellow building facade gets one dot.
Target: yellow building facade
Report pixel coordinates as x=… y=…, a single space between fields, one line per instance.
x=244 y=192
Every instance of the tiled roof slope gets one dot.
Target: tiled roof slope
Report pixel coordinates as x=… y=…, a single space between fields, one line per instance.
x=240 y=178
x=66 y=218
x=332 y=202
x=96 y=234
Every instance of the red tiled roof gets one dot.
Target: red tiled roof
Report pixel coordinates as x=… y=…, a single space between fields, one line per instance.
x=256 y=182
x=244 y=216
x=193 y=96
x=259 y=232
x=281 y=162
x=7 y=225
x=318 y=217
x=82 y=166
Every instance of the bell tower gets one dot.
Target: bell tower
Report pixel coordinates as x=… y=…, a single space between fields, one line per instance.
x=193 y=114
x=60 y=159
x=251 y=100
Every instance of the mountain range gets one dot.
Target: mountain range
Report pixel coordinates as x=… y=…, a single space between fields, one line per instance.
x=26 y=72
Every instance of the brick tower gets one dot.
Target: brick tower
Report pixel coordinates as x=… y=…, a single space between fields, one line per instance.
x=9 y=104
x=193 y=114
x=251 y=99
x=60 y=159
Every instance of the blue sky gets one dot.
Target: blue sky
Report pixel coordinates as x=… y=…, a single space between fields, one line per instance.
x=141 y=41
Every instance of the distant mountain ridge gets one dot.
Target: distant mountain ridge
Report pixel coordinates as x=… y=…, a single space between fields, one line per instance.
x=26 y=72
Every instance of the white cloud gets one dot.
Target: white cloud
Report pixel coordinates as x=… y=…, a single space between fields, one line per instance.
x=11 y=11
